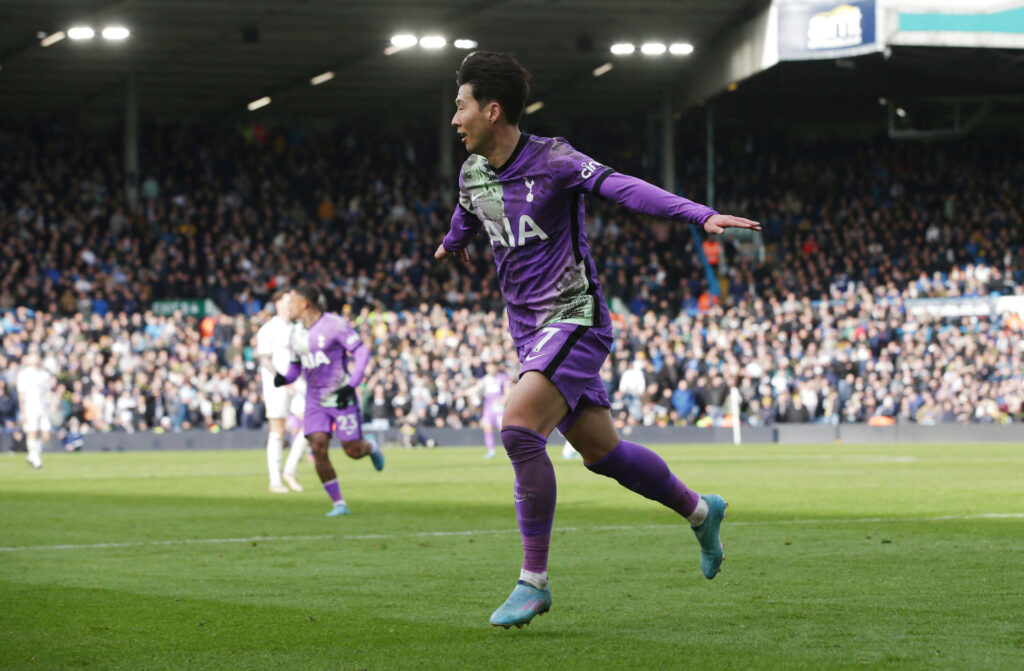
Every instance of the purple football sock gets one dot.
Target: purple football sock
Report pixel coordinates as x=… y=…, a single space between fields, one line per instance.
x=333 y=490
x=489 y=439
x=642 y=470
x=534 y=494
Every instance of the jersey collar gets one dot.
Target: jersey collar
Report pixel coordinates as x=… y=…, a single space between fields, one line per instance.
x=523 y=137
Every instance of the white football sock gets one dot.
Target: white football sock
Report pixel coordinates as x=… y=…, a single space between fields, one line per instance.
x=568 y=451
x=696 y=518
x=538 y=580
x=298 y=448
x=275 y=448
x=35 y=450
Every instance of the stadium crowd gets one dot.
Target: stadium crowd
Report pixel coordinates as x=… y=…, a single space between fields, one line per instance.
x=816 y=330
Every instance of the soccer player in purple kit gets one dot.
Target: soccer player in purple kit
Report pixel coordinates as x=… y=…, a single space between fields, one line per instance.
x=331 y=355
x=495 y=388
x=526 y=192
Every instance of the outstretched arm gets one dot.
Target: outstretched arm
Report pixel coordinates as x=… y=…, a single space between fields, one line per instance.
x=644 y=197
x=572 y=170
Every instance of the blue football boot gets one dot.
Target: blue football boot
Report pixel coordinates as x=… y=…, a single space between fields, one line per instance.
x=338 y=510
x=377 y=455
x=522 y=604
x=707 y=533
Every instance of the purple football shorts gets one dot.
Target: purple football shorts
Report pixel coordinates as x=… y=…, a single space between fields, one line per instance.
x=344 y=423
x=571 y=357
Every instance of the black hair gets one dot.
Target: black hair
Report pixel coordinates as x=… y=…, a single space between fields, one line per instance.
x=496 y=77
x=311 y=294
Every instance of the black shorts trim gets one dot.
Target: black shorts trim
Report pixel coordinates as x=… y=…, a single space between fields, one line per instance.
x=564 y=351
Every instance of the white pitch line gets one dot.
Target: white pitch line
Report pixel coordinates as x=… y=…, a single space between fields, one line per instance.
x=487 y=532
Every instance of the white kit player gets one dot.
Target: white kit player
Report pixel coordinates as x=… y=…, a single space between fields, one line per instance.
x=34 y=384
x=300 y=446
x=272 y=348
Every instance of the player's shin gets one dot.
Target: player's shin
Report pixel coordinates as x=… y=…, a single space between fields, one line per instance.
x=298 y=448
x=637 y=468
x=534 y=494
x=274 y=450
x=333 y=490
x=34 y=446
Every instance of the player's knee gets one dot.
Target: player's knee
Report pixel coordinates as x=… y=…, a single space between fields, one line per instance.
x=354 y=449
x=319 y=450
x=523 y=444
x=514 y=418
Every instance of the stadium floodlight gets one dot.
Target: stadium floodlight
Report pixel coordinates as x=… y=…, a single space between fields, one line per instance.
x=534 y=107
x=322 y=77
x=603 y=69
x=653 y=48
x=256 y=104
x=432 y=42
x=52 y=38
x=400 y=42
x=623 y=48
x=901 y=113
x=116 y=33
x=81 y=33
x=403 y=41
x=680 y=49
x=465 y=44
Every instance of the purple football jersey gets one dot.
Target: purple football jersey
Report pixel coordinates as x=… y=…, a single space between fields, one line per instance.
x=532 y=210
x=325 y=351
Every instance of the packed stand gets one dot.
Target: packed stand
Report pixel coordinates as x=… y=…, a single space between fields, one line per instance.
x=818 y=331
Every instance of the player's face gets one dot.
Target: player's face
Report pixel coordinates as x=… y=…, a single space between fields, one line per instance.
x=295 y=304
x=474 y=124
x=283 y=307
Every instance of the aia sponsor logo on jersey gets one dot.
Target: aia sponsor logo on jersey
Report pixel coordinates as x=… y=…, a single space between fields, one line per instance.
x=528 y=229
x=314 y=359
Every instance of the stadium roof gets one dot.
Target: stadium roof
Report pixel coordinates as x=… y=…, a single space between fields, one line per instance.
x=210 y=58
x=206 y=57
x=849 y=89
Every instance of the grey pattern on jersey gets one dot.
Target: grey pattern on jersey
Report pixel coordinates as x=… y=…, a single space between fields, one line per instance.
x=483 y=194
x=572 y=303
x=299 y=340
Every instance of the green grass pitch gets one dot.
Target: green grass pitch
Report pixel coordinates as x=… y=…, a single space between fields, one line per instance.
x=837 y=557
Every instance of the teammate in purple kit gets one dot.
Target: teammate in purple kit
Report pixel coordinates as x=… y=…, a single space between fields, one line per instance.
x=526 y=192
x=333 y=359
x=495 y=388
